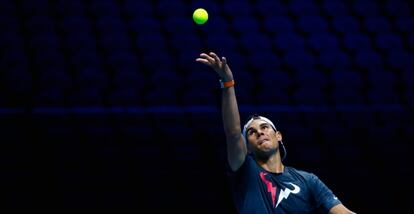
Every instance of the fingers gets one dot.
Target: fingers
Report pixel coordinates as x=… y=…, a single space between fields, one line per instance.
x=207 y=57
x=204 y=61
x=224 y=60
x=215 y=57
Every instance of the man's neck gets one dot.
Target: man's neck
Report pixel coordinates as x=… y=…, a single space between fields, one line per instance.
x=272 y=164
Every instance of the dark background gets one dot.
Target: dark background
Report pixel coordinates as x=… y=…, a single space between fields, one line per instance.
x=102 y=105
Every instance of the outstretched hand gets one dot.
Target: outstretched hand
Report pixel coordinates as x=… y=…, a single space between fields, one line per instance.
x=220 y=66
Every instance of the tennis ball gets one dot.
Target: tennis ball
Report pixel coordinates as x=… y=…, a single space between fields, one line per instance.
x=200 y=16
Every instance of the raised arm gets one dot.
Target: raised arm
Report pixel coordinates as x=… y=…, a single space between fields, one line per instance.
x=236 y=146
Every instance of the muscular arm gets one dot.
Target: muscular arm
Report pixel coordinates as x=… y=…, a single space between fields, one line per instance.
x=340 y=209
x=236 y=147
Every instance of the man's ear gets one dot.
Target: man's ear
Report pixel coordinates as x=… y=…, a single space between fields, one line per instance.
x=279 y=136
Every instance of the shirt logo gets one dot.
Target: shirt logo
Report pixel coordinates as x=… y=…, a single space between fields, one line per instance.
x=284 y=194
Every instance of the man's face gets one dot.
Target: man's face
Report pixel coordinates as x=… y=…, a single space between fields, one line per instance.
x=262 y=137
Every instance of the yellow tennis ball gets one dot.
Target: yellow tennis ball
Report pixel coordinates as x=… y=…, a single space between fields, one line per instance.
x=200 y=16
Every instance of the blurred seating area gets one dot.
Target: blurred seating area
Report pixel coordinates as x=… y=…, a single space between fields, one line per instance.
x=336 y=77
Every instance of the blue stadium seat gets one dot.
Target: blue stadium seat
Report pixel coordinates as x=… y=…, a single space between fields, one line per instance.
x=85 y=97
x=277 y=24
x=347 y=79
x=264 y=60
x=389 y=41
x=222 y=42
x=346 y=24
x=48 y=57
x=44 y=41
x=299 y=59
x=384 y=97
x=80 y=41
x=40 y=24
x=271 y=7
x=382 y=79
x=335 y=8
x=161 y=96
x=137 y=9
x=369 y=60
x=298 y=135
x=179 y=25
x=408 y=97
x=398 y=8
x=335 y=135
x=149 y=24
x=323 y=41
x=289 y=41
x=68 y=8
x=90 y=84
x=122 y=59
x=310 y=96
x=201 y=80
x=75 y=24
x=17 y=81
x=198 y=97
x=411 y=40
x=110 y=24
x=307 y=154
x=236 y=60
x=377 y=24
x=400 y=59
x=271 y=96
x=151 y=41
x=159 y=59
x=236 y=8
x=383 y=88
x=218 y=26
x=91 y=78
x=303 y=7
x=347 y=97
x=255 y=42
x=128 y=87
x=366 y=8
x=83 y=58
x=397 y=118
x=185 y=60
x=405 y=24
x=9 y=23
x=167 y=80
x=14 y=57
x=347 y=88
x=127 y=78
x=332 y=59
x=271 y=78
x=310 y=79
x=124 y=97
x=104 y=8
x=181 y=135
x=358 y=118
x=115 y=41
x=213 y=7
x=321 y=118
x=313 y=24
x=8 y=7
x=245 y=24
x=382 y=141
x=29 y=7
x=11 y=40
x=169 y=9
x=357 y=42
x=184 y=41
x=407 y=77
x=53 y=85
